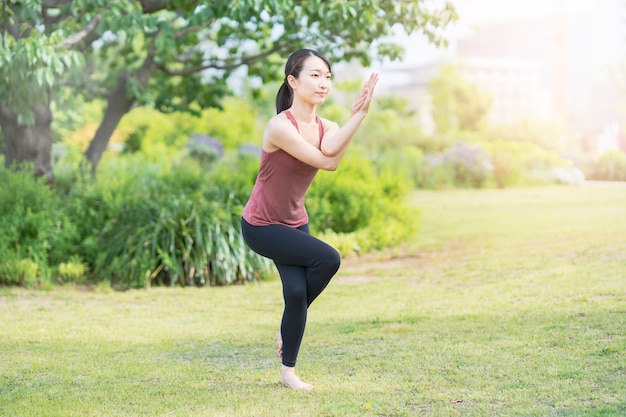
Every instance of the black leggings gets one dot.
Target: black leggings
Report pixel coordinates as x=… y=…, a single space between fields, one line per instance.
x=305 y=264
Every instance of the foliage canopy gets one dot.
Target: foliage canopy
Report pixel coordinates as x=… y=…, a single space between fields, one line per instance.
x=178 y=55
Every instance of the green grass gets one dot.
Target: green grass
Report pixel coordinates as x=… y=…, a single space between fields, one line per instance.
x=509 y=303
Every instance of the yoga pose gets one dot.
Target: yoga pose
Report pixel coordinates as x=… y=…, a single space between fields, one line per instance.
x=296 y=144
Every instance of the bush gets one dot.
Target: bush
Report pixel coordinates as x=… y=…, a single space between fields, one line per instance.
x=72 y=272
x=146 y=224
x=405 y=162
x=70 y=167
x=517 y=163
x=35 y=232
x=610 y=166
x=357 y=210
x=161 y=214
x=205 y=149
x=544 y=135
x=470 y=164
x=508 y=160
x=233 y=125
x=18 y=271
x=183 y=230
x=179 y=241
x=345 y=200
x=348 y=199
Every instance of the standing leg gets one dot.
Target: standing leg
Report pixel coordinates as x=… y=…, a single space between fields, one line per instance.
x=295 y=313
x=293 y=322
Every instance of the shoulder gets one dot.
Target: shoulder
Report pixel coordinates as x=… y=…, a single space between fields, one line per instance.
x=278 y=130
x=279 y=120
x=279 y=124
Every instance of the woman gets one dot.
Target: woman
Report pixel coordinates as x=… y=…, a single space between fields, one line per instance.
x=296 y=144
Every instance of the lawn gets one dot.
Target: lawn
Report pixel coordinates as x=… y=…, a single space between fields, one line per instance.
x=508 y=303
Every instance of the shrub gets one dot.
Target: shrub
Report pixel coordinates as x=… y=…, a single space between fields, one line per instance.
x=70 y=166
x=517 y=163
x=35 y=232
x=405 y=162
x=234 y=124
x=348 y=199
x=545 y=135
x=134 y=140
x=610 y=166
x=205 y=149
x=72 y=271
x=180 y=241
x=470 y=164
x=357 y=210
x=19 y=271
x=508 y=161
x=389 y=128
x=184 y=230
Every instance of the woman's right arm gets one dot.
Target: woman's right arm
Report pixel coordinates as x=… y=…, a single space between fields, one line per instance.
x=280 y=133
x=337 y=140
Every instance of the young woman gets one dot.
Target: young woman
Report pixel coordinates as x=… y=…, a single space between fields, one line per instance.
x=296 y=144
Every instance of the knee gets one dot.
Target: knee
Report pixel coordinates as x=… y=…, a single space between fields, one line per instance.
x=336 y=259
x=295 y=296
x=332 y=261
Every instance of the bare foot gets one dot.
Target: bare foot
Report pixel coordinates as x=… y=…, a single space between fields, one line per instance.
x=289 y=378
x=279 y=342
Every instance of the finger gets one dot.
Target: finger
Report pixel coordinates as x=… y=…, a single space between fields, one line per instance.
x=373 y=80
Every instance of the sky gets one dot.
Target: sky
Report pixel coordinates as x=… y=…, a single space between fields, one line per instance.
x=486 y=10
x=595 y=42
x=472 y=13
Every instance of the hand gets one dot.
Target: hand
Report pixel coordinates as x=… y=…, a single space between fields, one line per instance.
x=361 y=102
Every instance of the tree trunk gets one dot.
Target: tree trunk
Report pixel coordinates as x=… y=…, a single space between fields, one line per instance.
x=118 y=104
x=29 y=143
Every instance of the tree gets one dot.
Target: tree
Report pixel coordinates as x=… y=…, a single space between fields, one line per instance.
x=175 y=55
x=457 y=105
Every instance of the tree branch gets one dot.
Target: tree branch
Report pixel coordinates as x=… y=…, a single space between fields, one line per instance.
x=53 y=4
x=153 y=6
x=190 y=29
x=82 y=37
x=51 y=20
x=17 y=30
x=90 y=87
x=224 y=65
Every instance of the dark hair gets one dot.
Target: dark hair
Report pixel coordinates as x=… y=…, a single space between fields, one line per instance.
x=294 y=65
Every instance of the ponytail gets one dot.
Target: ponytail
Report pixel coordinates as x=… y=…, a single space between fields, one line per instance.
x=284 y=97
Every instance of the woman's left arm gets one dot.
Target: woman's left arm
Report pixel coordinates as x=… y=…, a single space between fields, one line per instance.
x=336 y=139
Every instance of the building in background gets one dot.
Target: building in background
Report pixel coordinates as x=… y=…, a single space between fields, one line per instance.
x=552 y=63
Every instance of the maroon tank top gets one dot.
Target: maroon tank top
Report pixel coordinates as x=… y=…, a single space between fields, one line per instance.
x=280 y=187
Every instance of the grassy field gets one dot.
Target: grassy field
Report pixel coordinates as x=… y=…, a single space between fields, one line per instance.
x=508 y=303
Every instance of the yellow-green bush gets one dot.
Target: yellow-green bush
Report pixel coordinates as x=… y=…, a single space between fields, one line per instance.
x=22 y=272
x=73 y=271
x=359 y=210
x=233 y=125
x=517 y=163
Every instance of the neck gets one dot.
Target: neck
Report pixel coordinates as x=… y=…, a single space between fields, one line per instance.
x=303 y=112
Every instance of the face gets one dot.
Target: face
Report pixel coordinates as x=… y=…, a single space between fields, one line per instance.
x=313 y=83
